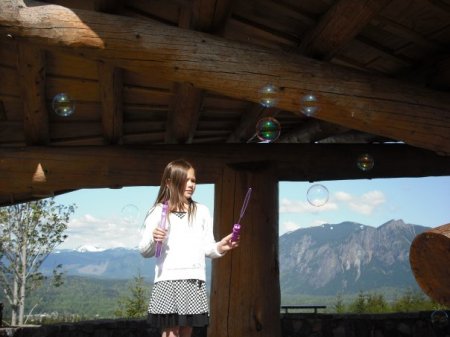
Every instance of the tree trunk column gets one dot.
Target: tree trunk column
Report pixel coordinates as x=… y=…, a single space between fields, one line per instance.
x=245 y=289
x=428 y=256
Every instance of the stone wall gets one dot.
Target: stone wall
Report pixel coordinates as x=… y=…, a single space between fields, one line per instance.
x=363 y=325
x=293 y=325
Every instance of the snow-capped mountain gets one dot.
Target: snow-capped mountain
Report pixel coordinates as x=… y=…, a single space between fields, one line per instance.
x=89 y=248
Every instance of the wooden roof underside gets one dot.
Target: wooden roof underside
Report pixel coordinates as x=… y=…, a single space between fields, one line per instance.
x=159 y=73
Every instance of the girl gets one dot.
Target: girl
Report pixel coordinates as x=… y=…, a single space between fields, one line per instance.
x=179 y=300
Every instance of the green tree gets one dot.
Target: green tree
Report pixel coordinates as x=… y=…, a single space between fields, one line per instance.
x=359 y=304
x=413 y=300
x=28 y=233
x=339 y=306
x=136 y=303
x=376 y=303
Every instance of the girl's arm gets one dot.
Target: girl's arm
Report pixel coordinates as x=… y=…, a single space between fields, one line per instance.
x=147 y=244
x=215 y=249
x=226 y=244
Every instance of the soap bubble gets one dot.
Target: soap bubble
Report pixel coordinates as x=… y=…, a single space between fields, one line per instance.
x=439 y=318
x=309 y=105
x=130 y=214
x=268 y=96
x=268 y=129
x=63 y=105
x=365 y=162
x=317 y=195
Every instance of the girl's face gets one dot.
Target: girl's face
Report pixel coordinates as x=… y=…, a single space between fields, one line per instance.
x=190 y=184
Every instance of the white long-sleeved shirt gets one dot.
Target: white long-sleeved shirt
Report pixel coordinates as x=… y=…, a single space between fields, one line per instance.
x=183 y=252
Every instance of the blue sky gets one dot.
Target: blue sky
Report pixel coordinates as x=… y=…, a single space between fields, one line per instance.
x=108 y=218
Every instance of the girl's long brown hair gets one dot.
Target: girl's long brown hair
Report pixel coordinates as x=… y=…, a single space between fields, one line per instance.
x=173 y=183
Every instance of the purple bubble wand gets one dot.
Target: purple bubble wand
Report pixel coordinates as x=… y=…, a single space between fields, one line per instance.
x=162 y=225
x=237 y=226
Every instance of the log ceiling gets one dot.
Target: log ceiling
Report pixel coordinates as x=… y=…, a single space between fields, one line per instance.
x=168 y=78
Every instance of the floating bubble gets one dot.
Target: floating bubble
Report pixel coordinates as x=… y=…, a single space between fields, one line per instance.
x=309 y=105
x=317 y=195
x=268 y=129
x=439 y=318
x=365 y=162
x=130 y=214
x=269 y=96
x=63 y=105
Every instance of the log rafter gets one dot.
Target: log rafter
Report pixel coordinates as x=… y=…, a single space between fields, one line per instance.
x=183 y=116
x=78 y=167
x=245 y=131
x=325 y=40
x=352 y=136
x=110 y=84
x=311 y=131
x=31 y=70
x=338 y=26
x=210 y=15
x=203 y=15
x=353 y=99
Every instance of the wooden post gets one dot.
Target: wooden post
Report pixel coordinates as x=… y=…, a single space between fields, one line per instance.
x=428 y=256
x=245 y=290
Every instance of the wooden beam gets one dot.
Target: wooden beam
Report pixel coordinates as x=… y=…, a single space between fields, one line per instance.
x=444 y=6
x=311 y=131
x=110 y=81
x=406 y=33
x=184 y=114
x=353 y=99
x=108 y=6
x=433 y=72
x=78 y=167
x=243 y=278
x=338 y=26
x=31 y=71
x=353 y=136
x=245 y=131
x=187 y=101
x=210 y=15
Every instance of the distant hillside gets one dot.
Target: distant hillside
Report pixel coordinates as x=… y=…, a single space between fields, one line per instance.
x=347 y=258
x=117 y=263
x=333 y=258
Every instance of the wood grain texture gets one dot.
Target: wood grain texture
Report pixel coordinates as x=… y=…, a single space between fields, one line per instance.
x=353 y=99
x=429 y=255
x=32 y=79
x=77 y=167
x=243 y=278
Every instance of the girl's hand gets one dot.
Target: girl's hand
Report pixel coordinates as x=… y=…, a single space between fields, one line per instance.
x=226 y=244
x=159 y=234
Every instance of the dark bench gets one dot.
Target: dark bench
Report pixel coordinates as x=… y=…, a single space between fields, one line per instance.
x=314 y=307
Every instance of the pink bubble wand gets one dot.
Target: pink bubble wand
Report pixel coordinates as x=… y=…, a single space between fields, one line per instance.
x=237 y=226
x=162 y=225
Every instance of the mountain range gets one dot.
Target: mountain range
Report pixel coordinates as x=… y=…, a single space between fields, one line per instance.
x=347 y=257
x=325 y=260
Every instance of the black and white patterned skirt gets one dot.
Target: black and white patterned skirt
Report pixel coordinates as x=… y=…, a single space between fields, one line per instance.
x=178 y=303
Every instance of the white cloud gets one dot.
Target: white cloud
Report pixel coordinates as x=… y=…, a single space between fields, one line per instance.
x=288 y=226
x=318 y=222
x=342 y=196
x=364 y=204
x=101 y=232
x=295 y=206
x=368 y=202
